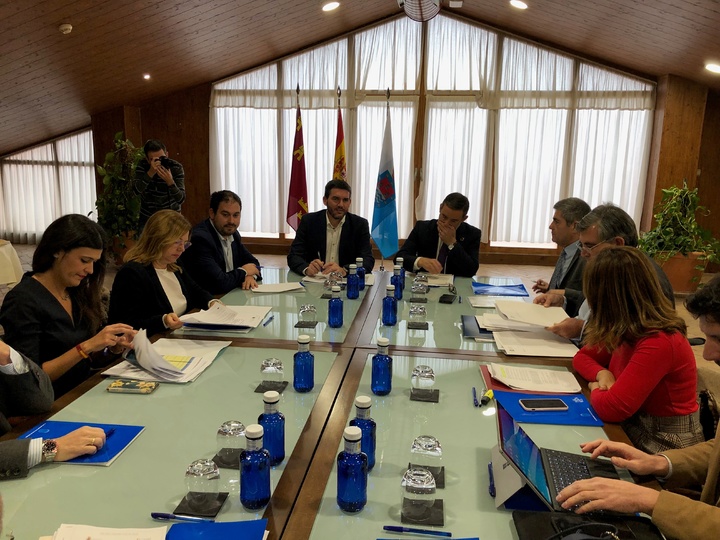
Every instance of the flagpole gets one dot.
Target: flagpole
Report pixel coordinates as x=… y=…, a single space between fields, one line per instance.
x=387 y=104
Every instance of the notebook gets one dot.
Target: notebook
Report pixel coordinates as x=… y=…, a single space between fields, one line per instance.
x=547 y=471
x=122 y=436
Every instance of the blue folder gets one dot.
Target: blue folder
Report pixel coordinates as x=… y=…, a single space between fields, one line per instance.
x=231 y=530
x=486 y=289
x=120 y=439
x=579 y=413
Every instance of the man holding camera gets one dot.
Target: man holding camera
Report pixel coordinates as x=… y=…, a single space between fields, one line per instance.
x=159 y=180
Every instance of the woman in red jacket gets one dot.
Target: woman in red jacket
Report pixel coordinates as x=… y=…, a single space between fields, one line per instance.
x=636 y=357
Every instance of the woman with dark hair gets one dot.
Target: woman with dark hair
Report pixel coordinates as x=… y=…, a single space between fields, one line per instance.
x=641 y=368
x=54 y=316
x=151 y=290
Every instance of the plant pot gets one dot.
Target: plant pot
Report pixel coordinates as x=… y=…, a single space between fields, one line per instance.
x=682 y=272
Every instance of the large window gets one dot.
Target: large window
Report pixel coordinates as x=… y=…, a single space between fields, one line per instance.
x=513 y=125
x=43 y=183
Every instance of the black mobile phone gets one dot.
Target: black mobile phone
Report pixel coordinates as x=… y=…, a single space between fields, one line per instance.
x=447 y=298
x=543 y=404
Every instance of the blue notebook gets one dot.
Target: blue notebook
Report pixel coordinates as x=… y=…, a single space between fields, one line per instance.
x=114 y=445
x=579 y=413
x=231 y=530
x=486 y=289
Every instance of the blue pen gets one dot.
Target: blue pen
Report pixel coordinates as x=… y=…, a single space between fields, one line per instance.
x=395 y=528
x=109 y=433
x=491 y=486
x=475 y=399
x=269 y=320
x=162 y=516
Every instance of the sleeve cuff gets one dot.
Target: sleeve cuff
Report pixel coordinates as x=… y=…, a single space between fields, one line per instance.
x=34 y=453
x=17 y=365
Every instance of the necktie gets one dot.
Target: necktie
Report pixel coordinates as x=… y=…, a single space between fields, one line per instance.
x=559 y=272
x=442 y=255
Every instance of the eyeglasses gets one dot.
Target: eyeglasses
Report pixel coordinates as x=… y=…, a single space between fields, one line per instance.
x=182 y=243
x=588 y=248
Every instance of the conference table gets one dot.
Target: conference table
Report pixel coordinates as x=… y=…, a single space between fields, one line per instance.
x=181 y=421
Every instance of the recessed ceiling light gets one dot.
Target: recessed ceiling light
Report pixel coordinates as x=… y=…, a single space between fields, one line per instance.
x=331 y=6
x=715 y=68
x=146 y=76
x=519 y=4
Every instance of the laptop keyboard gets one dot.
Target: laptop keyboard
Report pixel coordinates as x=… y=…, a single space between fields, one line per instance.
x=566 y=468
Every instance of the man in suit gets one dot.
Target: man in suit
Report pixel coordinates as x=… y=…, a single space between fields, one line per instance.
x=217 y=258
x=563 y=229
x=26 y=389
x=676 y=515
x=606 y=225
x=330 y=240
x=445 y=245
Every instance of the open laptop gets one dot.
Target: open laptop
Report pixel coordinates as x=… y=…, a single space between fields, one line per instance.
x=547 y=471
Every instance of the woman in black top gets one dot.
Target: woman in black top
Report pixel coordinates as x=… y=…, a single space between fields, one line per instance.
x=54 y=316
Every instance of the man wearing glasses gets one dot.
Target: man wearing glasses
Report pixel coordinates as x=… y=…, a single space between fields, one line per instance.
x=446 y=245
x=607 y=225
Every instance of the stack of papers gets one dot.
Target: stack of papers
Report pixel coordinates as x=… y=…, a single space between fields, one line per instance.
x=533 y=314
x=180 y=360
x=535 y=379
x=274 y=288
x=483 y=301
x=221 y=317
x=540 y=343
x=84 y=532
x=321 y=278
x=495 y=323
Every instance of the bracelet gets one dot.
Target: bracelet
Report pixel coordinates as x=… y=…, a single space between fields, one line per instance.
x=83 y=354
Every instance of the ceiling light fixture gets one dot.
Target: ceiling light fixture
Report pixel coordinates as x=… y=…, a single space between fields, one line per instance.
x=65 y=28
x=714 y=68
x=146 y=76
x=519 y=4
x=420 y=10
x=330 y=6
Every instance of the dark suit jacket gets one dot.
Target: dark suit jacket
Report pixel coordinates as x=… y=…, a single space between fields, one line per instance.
x=311 y=238
x=205 y=260
x=13 y=458
x=463 y=260
x=138 y=299
x=21 y=395
x=572 y=281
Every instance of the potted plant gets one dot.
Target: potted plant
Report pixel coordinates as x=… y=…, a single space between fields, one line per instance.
x=677 y=242
x=118 y=206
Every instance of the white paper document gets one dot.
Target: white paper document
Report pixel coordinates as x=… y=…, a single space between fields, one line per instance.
x=190 y=357
x=220 y=316
x=535 y=379
x=274 y=288
x=494 y=322
x=320 y=278
x=439 y=280
x=83 y=532
x=540 y=343
x=482 y=301
x=530 y=313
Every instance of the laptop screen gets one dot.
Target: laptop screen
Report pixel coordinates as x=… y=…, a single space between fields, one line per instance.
x=522 y=451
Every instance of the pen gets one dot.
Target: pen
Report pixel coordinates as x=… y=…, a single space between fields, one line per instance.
x=394 y=528
x=161 y=516
x=109 y=433
x=269 y=320
x=487 y=396
x=475 y=400
x=491 y=486
x=460 y=299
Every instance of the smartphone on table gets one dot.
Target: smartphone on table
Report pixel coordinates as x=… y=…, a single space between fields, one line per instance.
x=543 y=404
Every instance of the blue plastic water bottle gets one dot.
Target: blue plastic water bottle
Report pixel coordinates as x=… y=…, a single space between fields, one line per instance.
x=273 y=422
x=396 y=280
x=389 y=307
x=303 y=366
x=352 y=288
x=400 y=261
x=254 y=470
x=360 y=272
x=381 y=381
x=335 y=308
x=352 y=471
x=367 y=426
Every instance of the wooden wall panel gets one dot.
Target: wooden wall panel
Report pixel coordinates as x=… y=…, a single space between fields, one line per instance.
x=709 y=179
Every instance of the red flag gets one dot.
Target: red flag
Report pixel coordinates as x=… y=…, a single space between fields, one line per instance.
x=297 y=198
x=340 y=167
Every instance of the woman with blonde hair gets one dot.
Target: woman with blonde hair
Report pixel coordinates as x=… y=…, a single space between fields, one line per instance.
x=635 y=353
x=151 y=290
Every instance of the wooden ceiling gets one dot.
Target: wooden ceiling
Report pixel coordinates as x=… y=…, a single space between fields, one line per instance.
x=51 y=83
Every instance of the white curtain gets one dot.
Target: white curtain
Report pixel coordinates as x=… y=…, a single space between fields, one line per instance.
x=43 y=183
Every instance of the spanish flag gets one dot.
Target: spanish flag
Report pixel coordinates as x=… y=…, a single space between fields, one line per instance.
x=297 y=198
x=340 y=166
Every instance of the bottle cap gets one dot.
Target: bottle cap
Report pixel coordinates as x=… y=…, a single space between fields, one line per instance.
x=390 y=287
x=383 y=341
x=359 y=260
x=363 y=402
x=352 y=433
x=396 y=267
x=400 y=259
x=336 y=288
x=303 y=338
x=254 y=432
x=271 y=396
x=353 y=266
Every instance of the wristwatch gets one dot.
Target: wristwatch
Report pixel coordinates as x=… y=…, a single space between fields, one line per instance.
x=451 y=246
x=49 y=451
